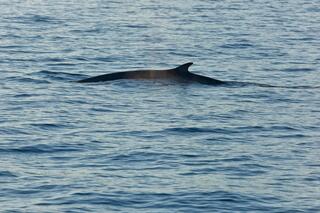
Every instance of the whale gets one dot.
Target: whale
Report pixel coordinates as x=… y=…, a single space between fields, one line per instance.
x=179 y=74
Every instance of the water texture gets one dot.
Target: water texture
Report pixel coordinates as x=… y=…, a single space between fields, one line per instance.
x=129 y=146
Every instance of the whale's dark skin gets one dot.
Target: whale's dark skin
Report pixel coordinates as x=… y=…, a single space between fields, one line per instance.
x=180 y=73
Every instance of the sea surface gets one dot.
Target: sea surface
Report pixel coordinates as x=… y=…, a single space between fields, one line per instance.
x=159 y=146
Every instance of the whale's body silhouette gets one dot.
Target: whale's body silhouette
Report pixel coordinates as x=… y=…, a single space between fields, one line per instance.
x=180 y=73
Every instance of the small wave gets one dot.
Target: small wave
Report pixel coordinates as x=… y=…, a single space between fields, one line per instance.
x=11 y=46
x=233 y=130
x=237 y=46
x=297 y=136
x=313 y=178
x=230 y=171
x=191 y=130
x=79 y=58
x=48 y=126
x=136 y=26
x=7 y=174
x=141 y=156
x=25 y=95
x=194 y=201
x=66 y=64
x=14 y=131
x=265 y=128
x=238 y=158
x=54 y=59
x=41 y=18
x=298 y=70
x=27 y=80
x=104 y=59
x=250 y=84
x=33 y=18
x=197 y=130
x=58 y=76
x=40 y=149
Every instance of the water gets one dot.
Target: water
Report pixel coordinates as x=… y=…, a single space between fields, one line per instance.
x=128 y=146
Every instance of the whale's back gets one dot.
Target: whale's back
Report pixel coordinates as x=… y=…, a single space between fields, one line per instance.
x=180 y=73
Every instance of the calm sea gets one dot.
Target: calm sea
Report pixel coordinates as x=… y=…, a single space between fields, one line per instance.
x=129 y=146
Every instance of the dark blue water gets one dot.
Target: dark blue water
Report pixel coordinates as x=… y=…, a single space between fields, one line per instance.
x=129 y=146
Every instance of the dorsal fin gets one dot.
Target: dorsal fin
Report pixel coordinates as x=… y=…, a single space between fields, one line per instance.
x=183 y=67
